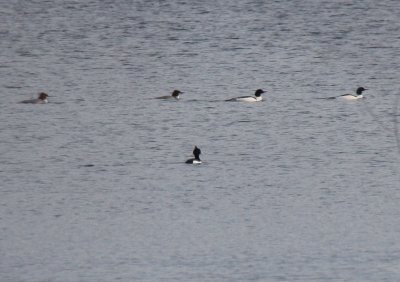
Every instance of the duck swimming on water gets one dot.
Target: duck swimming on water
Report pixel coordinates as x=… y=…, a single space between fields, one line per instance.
x=174 y=96
x=356 y=96
x=42 y=99
x=256 y=98
x=196 y=159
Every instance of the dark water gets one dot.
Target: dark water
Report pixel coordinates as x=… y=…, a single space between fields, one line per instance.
x=296 y=188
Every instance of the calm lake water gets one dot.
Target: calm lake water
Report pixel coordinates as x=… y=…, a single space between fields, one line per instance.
x=296 y=188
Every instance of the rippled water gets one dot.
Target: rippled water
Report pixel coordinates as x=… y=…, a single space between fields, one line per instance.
x=296 y=188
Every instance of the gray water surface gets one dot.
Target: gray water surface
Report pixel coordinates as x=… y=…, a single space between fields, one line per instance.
x=296 y=188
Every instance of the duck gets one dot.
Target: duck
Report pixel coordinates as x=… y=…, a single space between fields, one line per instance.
x=175 y=95
x=196 y=159
x=41 y=99
x=256 y=98
x=356 y=96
